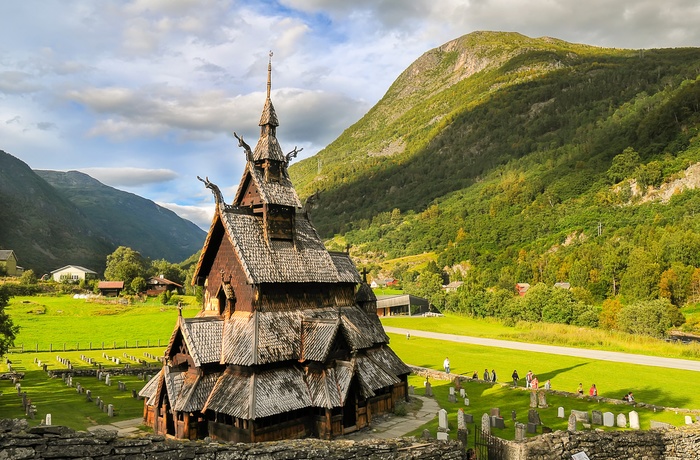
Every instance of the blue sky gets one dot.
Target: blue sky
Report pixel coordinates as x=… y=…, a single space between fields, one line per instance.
x=144 y=95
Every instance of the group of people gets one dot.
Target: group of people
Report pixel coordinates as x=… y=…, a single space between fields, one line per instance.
x=531 y=381
x=593 y=391
x=628 y=397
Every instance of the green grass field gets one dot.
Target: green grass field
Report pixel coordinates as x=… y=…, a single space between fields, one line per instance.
x=58 y=320
x=49 y=322
x=550 y=334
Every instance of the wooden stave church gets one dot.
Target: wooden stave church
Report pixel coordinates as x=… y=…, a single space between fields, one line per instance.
x=288 y=343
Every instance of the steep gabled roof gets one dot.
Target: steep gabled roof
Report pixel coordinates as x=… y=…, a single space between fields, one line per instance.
x=303 y=260
x=195 y=391
x=78 y=267
x=271 y=192
x=256 y=395
x=6 y=253
x=371 y=375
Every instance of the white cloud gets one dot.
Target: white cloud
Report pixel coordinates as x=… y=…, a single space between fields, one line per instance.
x=129 y=176
x=199 y=215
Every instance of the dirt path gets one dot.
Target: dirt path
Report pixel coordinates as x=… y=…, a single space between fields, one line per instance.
x=671 y=363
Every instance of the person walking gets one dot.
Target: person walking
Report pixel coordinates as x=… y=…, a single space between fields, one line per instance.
x=516 y=377
x=493 y=375
x=528 y=379
x=486 y=376
x=446 y=364
x=548 y=385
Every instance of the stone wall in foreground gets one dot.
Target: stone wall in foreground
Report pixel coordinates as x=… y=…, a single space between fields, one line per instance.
x=18 y=441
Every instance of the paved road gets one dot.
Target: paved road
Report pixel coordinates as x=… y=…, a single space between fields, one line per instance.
x=671 y=363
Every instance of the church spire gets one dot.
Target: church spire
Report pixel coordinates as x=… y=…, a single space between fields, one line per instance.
x=268 y=148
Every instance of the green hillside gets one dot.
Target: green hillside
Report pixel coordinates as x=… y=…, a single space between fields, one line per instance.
x=528 y=160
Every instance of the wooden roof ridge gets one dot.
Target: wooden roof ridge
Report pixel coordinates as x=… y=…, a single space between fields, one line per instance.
x=251 y=397
x=173 y=335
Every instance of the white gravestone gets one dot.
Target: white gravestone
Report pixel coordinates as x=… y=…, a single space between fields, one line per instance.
x=48 y=419
x=442 y=420
x=621 y=421
x=688 y=420
x=634 y=420
x=608 y=419
x=561 y=413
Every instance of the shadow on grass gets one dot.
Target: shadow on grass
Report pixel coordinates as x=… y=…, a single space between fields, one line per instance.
x=544 y=376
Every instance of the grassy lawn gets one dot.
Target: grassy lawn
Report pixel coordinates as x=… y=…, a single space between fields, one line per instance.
x=550 y=334
x=653 y=385
x=65 y=405
x=483 y=397
x=60 y=320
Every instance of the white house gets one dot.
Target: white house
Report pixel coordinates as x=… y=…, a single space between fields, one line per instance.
x=73 y=273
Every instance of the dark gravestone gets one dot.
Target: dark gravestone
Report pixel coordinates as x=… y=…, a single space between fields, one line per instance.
x=531 y=428
x=533 y=417
x=596 y=417
x=468 y=418
x=497 y=422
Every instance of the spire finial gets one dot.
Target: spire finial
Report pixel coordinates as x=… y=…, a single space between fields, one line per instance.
x=269 y=75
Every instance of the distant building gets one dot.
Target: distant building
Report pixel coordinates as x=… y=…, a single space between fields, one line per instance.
x=383 y=282
x=8 y=262
x=521 y=288
x=156 y=285
x=403 y=304
x=110 y=288
x=562 y=285
x=73 y=273
x=453 y=286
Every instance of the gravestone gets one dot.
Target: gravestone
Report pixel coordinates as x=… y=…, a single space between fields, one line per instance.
x=462 y=393
x=468 y=418
x=428 y=389
x=134 y=394
x=621 y=421
x=442 y=420
x=608 y=419
x=533 y=417
x=110 y=410
x=634 y=420
x=48 y=419
x=596 y=417
x=560 y=412
x=19 y=389
x=461 y=425
x=88 y=396
x=533 y=399
x=495 y=412
x=486 y=423
x=519 y=432
x=466 y=402
x=581 y=415
x=531 y=428
x=452 y=397
x=498 y=422
x=78 y=388
x=542 y=399
x=659 y=425
x=688 y=420
x=108 y=380
x=442 y=436
x=572 y=422
x=426 y=435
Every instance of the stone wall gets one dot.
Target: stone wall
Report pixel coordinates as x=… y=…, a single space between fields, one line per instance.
x=17 y=441
x=670 y=444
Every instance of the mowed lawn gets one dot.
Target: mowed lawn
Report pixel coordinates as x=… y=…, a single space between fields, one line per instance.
x=59 y=320
x=653 y=385
x=550 y=334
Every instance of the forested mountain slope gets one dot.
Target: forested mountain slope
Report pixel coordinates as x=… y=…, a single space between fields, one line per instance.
x=51 y=219
x=527 y=160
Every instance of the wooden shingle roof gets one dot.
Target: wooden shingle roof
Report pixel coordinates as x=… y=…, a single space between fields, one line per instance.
x=195 y=392
x=265 y=337
x=371 y=375
x=304 y=260
x=272 y=192
x=257 y=395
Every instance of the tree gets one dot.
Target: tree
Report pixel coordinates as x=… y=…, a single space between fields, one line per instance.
x=167 y=270
x=652 y=317
x=125 y=264
x=623 y=165
x=138 y=284
x=8 y=331
x=608 y=315
x=28 y=277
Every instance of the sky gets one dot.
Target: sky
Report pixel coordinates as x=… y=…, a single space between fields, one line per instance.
x=145 y=95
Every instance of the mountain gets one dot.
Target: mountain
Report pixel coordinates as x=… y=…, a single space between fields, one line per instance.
x=529 y=159
x=51 y=219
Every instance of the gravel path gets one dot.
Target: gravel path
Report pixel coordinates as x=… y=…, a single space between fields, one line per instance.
x=671 y=363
